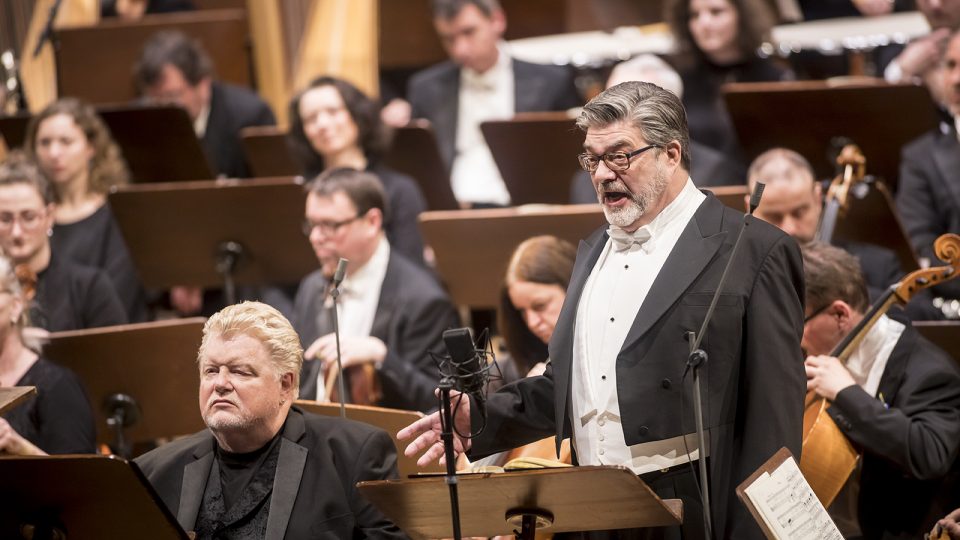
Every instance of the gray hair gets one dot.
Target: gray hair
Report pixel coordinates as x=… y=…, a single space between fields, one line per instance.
x=656 y=112
x=796 y=166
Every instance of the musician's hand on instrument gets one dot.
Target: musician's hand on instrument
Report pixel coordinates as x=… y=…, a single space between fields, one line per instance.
x=396 y=113
x=427 y=432
x=949 y=525
x=353 y=350
x=826 y=376
x=922 y=54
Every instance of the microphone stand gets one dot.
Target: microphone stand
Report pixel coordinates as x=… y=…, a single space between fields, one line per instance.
x=335 y=294
x=48 y=33
x=447 y=383
x=698 y=357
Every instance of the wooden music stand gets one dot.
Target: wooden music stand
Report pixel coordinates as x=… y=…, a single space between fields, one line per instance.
x=154 y=364
x=389 y=420
x=412 y=152
x=215 y=233
x=95 y=63
x=167 y=152
x=873 y=219
x=536 y=154
x=473 y=269
x=944 y=334
x=825 y=112
x=571 y=499
x=85 y=496
x=12 y=397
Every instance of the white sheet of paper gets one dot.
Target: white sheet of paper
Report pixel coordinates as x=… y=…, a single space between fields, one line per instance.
x=789 y=507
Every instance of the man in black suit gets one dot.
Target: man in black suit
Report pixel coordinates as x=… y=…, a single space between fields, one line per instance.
x=618 y=354
x=175 y=69
x=928 y=197
x=392 y=311
x=480 y=82
x=262 y=468
x=896 y=397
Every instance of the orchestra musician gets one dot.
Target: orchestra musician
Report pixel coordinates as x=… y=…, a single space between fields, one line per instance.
x=897 y=398
x=615 y=380
x=264 y=468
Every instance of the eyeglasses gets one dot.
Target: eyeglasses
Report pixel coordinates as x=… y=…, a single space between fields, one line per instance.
x=616 y=161
x=326 y=227
x=815 y=313
x=29 y=220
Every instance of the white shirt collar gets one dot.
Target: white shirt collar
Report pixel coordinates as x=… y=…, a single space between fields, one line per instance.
x=372 y=272
x=689 y=198
x=200 y=124
x=496 y=72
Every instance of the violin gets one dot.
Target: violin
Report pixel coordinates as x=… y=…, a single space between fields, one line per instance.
x=837 y=201
x=828 y=457
x=362 y=385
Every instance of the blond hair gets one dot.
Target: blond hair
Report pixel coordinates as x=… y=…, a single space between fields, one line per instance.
x=265 y=324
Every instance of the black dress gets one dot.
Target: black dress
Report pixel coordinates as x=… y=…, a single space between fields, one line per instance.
x=96 y=241
x=71 y=296
x=58 y=420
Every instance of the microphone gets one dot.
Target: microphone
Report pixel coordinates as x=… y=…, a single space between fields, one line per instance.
x=469 y=375
x=755 y=196
x=335 y=293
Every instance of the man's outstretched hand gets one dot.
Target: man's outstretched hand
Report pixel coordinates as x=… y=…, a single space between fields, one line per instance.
x=427 y=432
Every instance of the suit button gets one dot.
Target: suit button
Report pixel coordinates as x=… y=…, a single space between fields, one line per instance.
x=643 y=431
x=665 y=384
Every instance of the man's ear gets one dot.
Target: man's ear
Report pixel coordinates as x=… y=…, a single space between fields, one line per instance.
x=499 y=20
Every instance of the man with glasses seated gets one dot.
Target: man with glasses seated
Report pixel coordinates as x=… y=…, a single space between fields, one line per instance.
x=896 y=398
x=392 y=311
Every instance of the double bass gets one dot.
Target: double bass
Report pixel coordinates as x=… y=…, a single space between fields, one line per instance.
x=828 y=457
x=837 y=201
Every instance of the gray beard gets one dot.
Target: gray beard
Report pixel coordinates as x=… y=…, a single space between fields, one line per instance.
x=639 y=202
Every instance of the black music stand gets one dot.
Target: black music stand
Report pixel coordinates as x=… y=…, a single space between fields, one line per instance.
x=217 y=233
x=142 y=379
x=944 y=334
x=167 y=151
x=267 y=151
x=808 y=114
x=81 y=497
x=472 y=270
x=557 y=500
x=872 y=219
x=536 y=154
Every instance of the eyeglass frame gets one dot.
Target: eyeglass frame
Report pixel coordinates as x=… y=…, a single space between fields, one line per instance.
x=603 y=157
x=18 y=217
x=820 y=310
x=328 y=228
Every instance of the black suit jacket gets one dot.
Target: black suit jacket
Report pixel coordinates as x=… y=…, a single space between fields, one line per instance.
x=910 y=440
x=232 y=108
x=411 y=316
x=314 y=490
x=754 y=377
x=434 y=94
x=928 y=195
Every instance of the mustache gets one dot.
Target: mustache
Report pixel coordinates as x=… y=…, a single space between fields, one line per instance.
x=615 y=186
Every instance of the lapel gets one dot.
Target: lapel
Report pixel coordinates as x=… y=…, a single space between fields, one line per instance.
x=446 y=102
x=286 y=483
x=529 y=91
x=387 y=304
x=696 y=247
x=893 y=372
x=195 y=476
x=946 y=156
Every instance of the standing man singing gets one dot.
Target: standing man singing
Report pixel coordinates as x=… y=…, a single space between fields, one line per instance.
x=616 y=382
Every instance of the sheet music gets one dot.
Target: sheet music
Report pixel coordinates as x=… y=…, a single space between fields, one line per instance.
x=789 y=507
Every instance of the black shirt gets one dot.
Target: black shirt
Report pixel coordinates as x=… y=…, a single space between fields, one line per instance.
x=236 y=470
x=58 y=419
x=71 y=296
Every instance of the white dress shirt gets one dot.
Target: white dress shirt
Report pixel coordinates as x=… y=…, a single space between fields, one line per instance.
x=612 y=297
x=359 y=297
x=866 y=364
x=483 y=96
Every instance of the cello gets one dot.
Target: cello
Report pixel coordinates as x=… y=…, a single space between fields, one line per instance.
x=828 y=457
x=837 y=201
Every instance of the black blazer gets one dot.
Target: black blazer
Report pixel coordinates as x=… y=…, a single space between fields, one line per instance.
x=434 y=94
x=910 y=440
x=928 y=195
x=314 y=490
x=232 y=108
x=755 y=382
x=411 y=316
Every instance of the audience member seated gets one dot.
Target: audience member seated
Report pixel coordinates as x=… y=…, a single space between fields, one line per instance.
x=70 y=296
x=74 y=150
x=896 y=398
x=263 y=468
x=928 y=197
x=793 y=201
x=392 y=311
x=717 y=42
x=708 y=166
x=133 y=10
x=58 y=420
x=175 y=69
x=480 y=82
x=333 y=125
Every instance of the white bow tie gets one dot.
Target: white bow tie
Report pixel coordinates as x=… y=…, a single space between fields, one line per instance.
x=625 y=241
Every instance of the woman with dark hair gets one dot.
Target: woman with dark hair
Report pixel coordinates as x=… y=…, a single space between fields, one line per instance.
x=333 y=124
x=533 y=291
x=58 y=420
x=76 y=153
x=717 y=43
